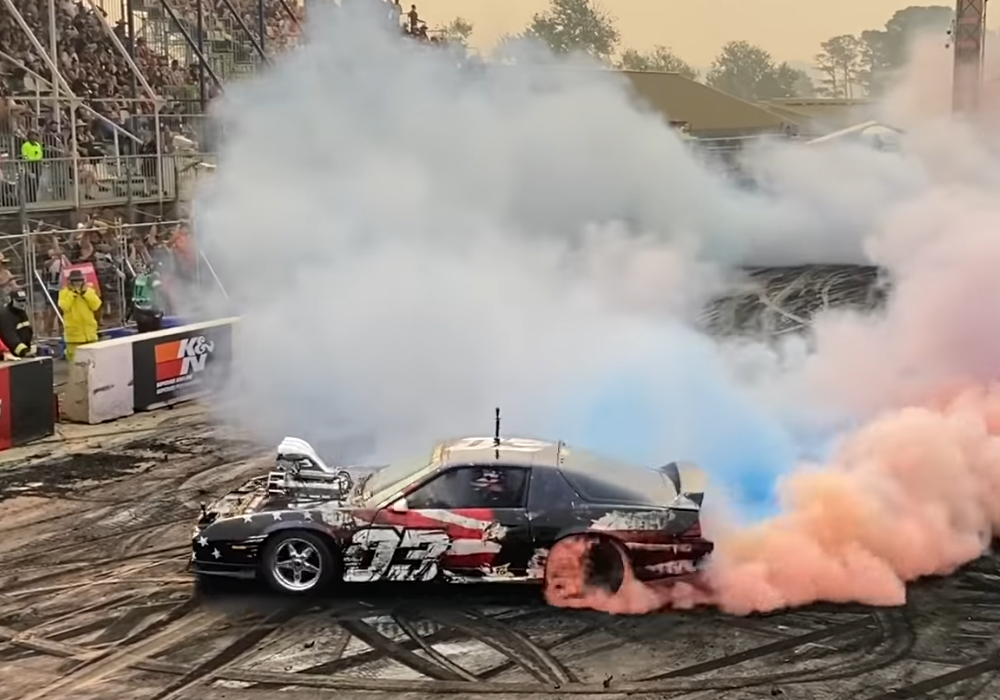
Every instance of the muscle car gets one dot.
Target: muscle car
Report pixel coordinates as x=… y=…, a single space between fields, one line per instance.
x=470 y=509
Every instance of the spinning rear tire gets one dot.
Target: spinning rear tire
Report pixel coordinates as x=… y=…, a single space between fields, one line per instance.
x=586 y=571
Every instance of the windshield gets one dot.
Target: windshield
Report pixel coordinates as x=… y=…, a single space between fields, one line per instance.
x=397 y=475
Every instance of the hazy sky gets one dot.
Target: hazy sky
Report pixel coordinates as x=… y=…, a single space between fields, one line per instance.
x=790 y=29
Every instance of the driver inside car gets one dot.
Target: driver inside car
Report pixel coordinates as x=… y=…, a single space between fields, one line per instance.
x=493 y=489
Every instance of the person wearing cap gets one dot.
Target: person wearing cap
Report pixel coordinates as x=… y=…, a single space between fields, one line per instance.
x=79 y=303
x=15 y=326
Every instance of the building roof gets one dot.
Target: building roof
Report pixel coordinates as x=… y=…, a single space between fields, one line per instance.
x=818 y=115
x=709 y=112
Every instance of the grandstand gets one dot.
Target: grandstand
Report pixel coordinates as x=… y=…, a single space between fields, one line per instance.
x=108 y=92
x=110 y=97
x=120 y=85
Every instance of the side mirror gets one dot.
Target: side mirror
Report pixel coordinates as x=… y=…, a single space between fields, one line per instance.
x=399 y=506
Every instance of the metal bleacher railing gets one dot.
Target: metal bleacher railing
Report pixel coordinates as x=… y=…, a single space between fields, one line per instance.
x=74 y=183
x=118 y=252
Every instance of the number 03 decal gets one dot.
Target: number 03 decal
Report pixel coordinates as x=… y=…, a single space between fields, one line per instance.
x=394 y=555
x=513 y=444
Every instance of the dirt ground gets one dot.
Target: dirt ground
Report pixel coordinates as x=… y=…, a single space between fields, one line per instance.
x=95 y=602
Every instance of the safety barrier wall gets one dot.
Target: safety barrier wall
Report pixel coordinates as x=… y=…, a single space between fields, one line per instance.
x=112 y=379
x=27 y=402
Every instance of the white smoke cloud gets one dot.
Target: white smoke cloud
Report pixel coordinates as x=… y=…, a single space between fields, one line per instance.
x=415 y=240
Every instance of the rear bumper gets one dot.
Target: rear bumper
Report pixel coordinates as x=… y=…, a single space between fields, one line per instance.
x=681 y=558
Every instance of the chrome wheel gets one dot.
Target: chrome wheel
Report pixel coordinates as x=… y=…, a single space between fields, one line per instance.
x=296 y=564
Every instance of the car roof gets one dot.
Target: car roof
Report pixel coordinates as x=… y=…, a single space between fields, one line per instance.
x=513 y=451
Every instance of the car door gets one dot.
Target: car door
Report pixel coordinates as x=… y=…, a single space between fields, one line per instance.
x=481 y=509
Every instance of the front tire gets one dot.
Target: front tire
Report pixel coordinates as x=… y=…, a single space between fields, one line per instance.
x=298 y=563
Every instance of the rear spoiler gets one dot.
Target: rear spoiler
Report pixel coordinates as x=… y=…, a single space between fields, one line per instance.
x=688 y=482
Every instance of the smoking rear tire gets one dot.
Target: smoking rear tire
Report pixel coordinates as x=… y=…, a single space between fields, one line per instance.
x=298 y=563
x=606 y=564
x=583 y=568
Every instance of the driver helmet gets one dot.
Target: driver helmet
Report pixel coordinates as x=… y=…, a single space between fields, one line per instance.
x=490 y=480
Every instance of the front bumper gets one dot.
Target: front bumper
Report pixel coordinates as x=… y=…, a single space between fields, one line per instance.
x=223 y=558
x=214 y=568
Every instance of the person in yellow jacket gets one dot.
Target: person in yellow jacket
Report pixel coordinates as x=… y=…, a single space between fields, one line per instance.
x=79 y=303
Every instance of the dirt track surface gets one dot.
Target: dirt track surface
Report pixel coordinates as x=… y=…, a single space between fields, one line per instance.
x=95 y=603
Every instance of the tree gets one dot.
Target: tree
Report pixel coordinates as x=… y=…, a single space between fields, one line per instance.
x=877 y=52
x=660 y=59
x=575 y=25
x=457 y=31
x=840 y=60
x=748 y=72
x=802 y=84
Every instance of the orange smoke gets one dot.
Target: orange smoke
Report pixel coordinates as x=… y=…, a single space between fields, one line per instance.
x=915 y=493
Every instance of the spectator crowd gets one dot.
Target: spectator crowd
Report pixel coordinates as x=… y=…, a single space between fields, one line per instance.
x=93 y=53
x=118 y=255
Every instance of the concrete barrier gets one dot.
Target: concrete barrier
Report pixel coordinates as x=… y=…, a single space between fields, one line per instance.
x=27 y=401
x=115 y=378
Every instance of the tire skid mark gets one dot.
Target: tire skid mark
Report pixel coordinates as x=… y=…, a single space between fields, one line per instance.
x=989 y=665
x=339 y=665
x=766 y=649
x=122 y=626
x=72 y=588
x=44 y=646
x=896 y=639
x=572 y=637
x=177 y=612
x=204 y=671
x=123 y=657
x=46 y=622
x=442 y=660
x=343 y=664
x=89 y=565
x=98 y=539
x=559 y=672
x=527 y=655
x=396 y=651
x=302 y=680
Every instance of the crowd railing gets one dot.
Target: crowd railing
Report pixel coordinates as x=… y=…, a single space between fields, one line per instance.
x=75 y=183
x=110 y=255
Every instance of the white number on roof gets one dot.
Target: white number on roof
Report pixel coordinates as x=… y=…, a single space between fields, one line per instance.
x=513 y=444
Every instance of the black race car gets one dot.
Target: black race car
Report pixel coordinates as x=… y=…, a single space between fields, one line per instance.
x=472 y=509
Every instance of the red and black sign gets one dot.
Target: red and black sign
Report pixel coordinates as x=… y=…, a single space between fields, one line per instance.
x=176 y=364
x=26 y=403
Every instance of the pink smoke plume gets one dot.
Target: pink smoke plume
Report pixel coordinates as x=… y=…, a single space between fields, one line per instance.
x=913 y=494
x=916 y=492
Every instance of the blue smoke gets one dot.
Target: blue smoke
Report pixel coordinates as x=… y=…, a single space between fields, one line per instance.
x=674 y=401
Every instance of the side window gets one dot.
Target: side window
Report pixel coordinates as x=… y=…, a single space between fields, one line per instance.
x=473 y=487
